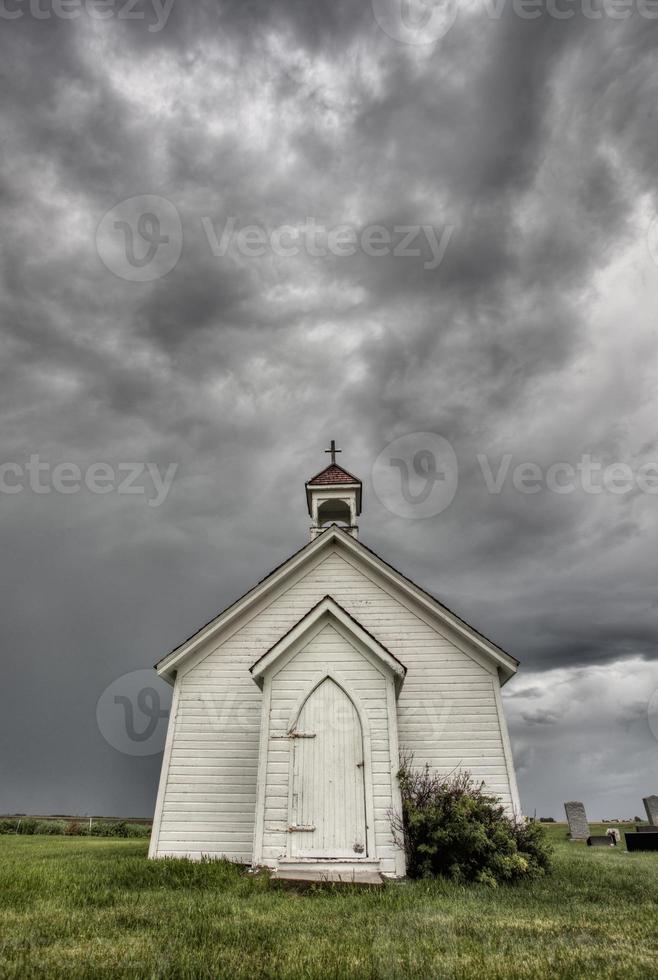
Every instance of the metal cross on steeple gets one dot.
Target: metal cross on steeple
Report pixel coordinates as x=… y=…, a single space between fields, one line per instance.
x=333 y=451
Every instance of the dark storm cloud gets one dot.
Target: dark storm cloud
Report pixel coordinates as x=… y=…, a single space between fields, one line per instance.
x=534 y=143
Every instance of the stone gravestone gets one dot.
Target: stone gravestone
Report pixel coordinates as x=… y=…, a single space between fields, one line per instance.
x=642 y=842
x=578 y=826
x=651 y=806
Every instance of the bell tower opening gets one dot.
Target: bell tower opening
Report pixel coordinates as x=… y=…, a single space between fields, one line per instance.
x=334 y=512
x=333 y=496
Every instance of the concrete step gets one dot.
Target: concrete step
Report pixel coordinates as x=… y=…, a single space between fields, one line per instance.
x=306 y=876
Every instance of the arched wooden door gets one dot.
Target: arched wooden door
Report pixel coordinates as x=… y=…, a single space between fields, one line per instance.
x=327 y=793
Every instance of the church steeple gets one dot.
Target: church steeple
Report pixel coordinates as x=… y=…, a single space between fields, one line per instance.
x=333 y=496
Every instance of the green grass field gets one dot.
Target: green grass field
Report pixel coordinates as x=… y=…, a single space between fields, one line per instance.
x=84 y=907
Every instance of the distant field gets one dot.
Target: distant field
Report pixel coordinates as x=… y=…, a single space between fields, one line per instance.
x=73 y=816
x=74 y=826
x=87 y=907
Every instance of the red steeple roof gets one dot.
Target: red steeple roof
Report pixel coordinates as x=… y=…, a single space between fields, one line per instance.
x=332 y=474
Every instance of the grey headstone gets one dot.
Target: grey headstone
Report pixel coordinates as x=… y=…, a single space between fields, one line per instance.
x=651 y=806
x=578 y=826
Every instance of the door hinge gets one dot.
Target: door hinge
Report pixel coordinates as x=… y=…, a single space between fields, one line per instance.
x=296 y=735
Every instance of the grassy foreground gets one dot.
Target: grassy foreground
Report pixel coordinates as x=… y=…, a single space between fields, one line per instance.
x=84 y=907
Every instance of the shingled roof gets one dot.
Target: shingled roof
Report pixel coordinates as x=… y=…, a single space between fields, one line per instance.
x=332 y=474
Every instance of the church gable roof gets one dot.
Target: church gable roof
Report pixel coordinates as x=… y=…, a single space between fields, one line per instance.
x=335 y=537
x=327 y=612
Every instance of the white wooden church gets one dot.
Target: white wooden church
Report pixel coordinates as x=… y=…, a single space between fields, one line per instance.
x=291 y=707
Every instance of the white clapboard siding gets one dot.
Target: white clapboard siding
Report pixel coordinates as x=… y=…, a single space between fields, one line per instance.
x=448 y=712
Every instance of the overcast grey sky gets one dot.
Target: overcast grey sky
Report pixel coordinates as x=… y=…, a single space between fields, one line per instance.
x=523 y=330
